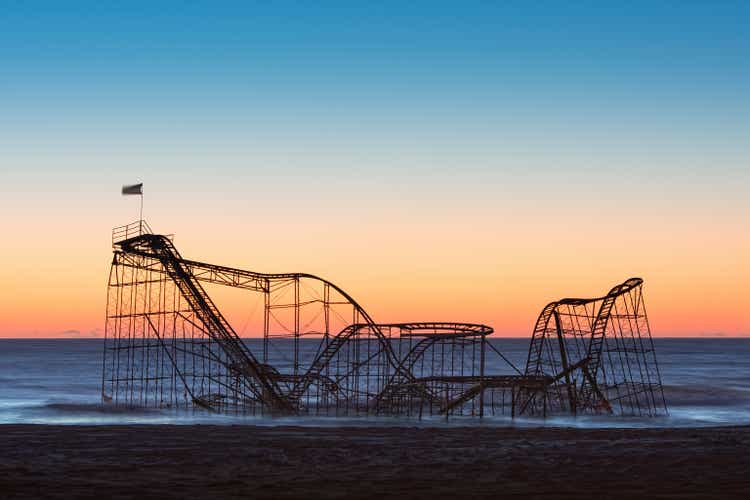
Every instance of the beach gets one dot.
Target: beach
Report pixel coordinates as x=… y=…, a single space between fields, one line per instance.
x=203 y=461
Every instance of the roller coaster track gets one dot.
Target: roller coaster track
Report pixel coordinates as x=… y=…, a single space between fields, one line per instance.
x=430 y=333
x=598 y=332
x=402 y=372
x=187 y=275
x=602 y=319
x=167 y=344
x=533 y=363
x=243 y=362
x=323 y=358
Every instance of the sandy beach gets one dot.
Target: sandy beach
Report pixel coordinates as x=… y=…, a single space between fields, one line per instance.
x=292 y=462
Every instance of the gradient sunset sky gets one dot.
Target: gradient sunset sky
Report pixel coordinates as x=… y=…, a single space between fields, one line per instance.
x=460 y=161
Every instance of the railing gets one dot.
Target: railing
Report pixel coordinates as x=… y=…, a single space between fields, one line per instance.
x=131 y=230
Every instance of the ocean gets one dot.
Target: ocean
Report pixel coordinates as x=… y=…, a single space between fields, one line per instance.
x=45 y=381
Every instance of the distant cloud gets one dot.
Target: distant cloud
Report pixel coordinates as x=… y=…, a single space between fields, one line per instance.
x=713 y=334
x=78 y=334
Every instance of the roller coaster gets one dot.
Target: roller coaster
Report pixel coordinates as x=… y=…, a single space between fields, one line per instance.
x=167 y=345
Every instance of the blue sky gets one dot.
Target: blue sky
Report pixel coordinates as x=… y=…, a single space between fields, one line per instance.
x=268 y=66
x=552 y=82
x=560 y=89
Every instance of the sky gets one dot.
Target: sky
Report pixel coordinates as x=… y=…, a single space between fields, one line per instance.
x=466 y=161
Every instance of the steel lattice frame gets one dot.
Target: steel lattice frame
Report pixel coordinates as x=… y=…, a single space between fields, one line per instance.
x=168 y=345
x=600 y=353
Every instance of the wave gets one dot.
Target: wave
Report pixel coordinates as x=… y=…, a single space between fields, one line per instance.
x=705 y=395
x=97 y=408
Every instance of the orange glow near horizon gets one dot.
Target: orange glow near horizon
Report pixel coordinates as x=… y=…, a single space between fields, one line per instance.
x=413 y=273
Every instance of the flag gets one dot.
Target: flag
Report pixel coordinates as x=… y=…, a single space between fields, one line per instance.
x=134 y=189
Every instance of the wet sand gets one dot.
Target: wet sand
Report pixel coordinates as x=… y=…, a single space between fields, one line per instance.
x=375 y=462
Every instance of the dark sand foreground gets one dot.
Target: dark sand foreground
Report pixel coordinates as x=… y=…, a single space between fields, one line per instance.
x=245 y=461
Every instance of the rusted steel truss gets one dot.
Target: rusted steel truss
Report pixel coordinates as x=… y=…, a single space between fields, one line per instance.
x=167 y=344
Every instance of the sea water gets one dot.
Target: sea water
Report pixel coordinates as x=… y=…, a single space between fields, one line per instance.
x=706 y=382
